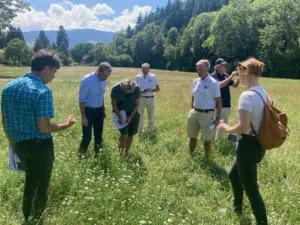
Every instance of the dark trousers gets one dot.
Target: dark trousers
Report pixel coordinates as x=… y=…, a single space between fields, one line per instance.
x=95 y=117
x=37 y=157
x=243 y=177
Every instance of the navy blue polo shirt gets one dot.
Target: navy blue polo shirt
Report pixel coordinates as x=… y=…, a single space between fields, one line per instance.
x=225 y=91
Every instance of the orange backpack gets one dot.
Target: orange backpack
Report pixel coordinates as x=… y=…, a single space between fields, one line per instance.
x=273 y=129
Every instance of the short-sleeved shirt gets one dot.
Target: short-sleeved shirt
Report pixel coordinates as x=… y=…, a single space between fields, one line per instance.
x=24 y=101
x=125 y=101
x=225 y=91
x=92 y=90
x=251 y=102
x=146 y=82
x=205 y=93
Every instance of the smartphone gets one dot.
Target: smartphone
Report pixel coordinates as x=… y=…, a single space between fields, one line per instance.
x=233 y=137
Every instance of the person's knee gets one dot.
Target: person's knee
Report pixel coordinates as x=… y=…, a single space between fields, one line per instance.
x=252 y=191
x=124 y=137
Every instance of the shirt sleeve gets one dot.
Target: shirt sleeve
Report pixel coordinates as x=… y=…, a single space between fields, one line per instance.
x=45 y=107
x=216 y=90
x=193 y=87
x=245 y=102
x=114 y=93
x=83 y=92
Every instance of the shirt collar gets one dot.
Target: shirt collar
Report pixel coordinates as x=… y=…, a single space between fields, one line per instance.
x=34 y=77
x=206 y=78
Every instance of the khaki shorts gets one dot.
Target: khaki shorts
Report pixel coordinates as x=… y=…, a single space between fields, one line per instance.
x=200 y=120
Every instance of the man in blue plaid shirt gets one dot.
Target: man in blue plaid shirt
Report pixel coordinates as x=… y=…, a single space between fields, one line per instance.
x=27 y=107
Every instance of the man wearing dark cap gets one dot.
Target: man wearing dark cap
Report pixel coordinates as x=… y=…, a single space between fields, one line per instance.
x=91 y=103
x=225 y=81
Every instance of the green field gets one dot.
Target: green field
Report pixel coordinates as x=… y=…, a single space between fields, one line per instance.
x=160 y=183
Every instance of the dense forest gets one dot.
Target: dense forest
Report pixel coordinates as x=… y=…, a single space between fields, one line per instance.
x=175 y=36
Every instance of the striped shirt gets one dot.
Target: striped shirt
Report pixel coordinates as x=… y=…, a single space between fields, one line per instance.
x=24 y=101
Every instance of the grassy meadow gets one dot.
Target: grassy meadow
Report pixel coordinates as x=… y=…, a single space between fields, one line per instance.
x=160 y=183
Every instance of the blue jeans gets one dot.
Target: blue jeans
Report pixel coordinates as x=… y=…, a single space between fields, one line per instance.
x=95 y=117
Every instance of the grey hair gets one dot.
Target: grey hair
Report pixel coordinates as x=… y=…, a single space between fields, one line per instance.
x=204 y=62
x=128 y=85
x=145 y=65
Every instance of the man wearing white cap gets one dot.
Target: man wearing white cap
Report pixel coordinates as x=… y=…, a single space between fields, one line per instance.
x=148 y=85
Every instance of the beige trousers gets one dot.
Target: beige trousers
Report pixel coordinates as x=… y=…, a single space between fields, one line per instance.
x=224 y=116
x=148 y=104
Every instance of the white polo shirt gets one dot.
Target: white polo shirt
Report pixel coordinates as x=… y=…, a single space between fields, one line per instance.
x=204 y=93
x=146 y=82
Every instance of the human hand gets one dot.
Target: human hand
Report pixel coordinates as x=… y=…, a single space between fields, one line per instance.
x=84 y=122
x=70 y=121
x=223 y=127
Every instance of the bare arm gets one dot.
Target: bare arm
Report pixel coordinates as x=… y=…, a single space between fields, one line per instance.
x=45 y=126
x=242 y=127
x=225 y=82
x=115 y=107
x=82 y=105
x=156 y=89
x=236 y=83
x=218 y=107
x=192 y=102
x=136 y=107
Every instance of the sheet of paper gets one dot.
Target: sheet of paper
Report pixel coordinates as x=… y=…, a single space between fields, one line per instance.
x=14 y=163
x=116 y=123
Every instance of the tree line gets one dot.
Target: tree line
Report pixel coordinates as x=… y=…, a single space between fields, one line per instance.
x=175 y=36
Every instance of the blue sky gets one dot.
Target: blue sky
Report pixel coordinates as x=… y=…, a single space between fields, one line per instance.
x=117 y=5
x=106 y=15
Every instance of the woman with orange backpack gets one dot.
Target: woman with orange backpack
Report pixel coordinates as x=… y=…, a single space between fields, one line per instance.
x=243 y=175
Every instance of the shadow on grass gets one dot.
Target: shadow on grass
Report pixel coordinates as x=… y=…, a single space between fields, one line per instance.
x=217 y=172
x=245 y=220
x=148 y=136
x=225 y=147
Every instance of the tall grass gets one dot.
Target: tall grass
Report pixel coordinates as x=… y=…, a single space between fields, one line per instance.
x=160 y=183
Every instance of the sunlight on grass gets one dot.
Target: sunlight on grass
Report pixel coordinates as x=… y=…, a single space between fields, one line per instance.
x=160 y=183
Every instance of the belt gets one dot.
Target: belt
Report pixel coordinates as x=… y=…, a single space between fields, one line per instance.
x=204 y=110
x=147 y=96
x=94 y=109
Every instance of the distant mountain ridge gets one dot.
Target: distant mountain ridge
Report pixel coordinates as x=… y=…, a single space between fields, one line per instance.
x=75 y=36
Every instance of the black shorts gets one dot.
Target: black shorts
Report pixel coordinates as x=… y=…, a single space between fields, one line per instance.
x=132 y=128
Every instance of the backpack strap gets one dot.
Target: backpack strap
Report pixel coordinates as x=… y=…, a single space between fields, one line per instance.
x=265 y=103
x=253 y=130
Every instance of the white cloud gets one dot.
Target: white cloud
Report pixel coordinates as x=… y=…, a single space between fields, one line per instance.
x=78 y=16
x=102 y=9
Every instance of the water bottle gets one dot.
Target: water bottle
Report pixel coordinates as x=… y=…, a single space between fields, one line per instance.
x=212 y=126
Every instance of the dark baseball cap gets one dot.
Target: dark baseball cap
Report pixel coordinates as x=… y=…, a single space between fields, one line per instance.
x=220 y=61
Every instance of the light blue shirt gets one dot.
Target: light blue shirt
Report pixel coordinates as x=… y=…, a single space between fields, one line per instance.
x=92 y=91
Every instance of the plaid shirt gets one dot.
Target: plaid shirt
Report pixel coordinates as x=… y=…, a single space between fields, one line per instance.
x=24 y=100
